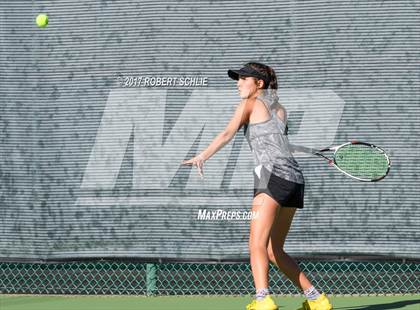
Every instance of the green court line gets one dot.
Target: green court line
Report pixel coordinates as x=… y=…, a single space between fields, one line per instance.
x=43 y=302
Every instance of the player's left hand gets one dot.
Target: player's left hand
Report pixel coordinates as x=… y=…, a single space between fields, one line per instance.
x=197 y=161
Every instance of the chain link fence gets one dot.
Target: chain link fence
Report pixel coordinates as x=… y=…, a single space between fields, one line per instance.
x=124 y=278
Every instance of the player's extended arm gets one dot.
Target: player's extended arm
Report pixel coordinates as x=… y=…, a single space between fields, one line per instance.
x=240 y=117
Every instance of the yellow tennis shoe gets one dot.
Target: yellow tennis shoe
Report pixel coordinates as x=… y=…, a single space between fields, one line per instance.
x=266 y=304
x=321 y=303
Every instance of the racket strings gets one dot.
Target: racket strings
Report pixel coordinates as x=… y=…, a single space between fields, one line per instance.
x=362 y=161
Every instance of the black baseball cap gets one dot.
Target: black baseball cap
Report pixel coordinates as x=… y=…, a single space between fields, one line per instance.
x=248 y=71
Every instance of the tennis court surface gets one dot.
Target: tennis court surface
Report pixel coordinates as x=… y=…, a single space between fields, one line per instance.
x=43 y=302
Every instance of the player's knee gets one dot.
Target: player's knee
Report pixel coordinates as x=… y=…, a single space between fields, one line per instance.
x=271 y=256
x=256 y=245
x=275 y=256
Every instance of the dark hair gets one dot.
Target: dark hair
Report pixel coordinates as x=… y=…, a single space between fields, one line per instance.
x=267 y=72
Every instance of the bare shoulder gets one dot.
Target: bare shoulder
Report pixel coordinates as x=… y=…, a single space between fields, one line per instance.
x=255 y=102
x=248 y=104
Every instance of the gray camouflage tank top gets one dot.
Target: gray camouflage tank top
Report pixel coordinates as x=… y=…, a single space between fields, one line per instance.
x=270 y=145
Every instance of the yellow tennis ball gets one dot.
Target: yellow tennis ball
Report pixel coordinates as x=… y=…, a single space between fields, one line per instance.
x=42 y=20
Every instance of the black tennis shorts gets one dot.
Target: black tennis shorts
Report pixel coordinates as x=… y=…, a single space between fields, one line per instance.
x=286 y=193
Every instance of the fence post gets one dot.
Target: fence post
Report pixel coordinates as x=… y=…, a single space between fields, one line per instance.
x=151 y=279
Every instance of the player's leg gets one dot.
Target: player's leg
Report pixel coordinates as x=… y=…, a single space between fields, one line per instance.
x=265 y=207
x=288 y=266
x=276 y=253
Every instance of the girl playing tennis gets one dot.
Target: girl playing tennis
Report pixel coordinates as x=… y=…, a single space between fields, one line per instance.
x=278 y=182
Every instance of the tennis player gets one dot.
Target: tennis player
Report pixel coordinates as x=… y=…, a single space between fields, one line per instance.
x=278 y=182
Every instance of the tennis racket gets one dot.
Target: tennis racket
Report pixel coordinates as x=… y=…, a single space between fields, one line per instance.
x=359 y=160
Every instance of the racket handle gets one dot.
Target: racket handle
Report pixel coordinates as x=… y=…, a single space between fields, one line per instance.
x=303 y=149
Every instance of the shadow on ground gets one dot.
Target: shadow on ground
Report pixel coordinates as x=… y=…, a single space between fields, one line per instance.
x=392 y=305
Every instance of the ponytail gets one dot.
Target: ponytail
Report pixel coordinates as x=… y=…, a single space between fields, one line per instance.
x=266 y=71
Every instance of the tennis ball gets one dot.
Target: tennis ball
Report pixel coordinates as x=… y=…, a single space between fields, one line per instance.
x=42 y=20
